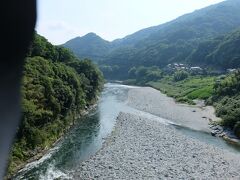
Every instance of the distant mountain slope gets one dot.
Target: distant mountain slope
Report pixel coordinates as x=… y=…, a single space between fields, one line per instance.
x=222 y=52
x=209 y=21
x=171 y=42
x=89 y=46
x=174 y=41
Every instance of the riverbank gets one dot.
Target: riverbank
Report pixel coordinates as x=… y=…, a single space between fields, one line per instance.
x=150 y=100
x=86 y=140
x=185 y=93
x=42 y=152
x=141 y=148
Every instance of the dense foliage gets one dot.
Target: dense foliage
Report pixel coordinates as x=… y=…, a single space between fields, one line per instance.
x=227 y=101
x=144 y=74
x=41 y=47
x=180 y=75
x=222 y=52
x=56 y=88
x=197 y=38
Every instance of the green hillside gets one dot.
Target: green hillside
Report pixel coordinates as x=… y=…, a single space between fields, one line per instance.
x=222 y=52
x=89 y=46
x=171 y=42
x=56 y=88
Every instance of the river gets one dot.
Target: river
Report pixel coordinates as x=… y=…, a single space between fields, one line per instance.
x=89 y=133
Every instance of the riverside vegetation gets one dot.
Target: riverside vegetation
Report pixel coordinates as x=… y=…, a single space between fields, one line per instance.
x=57 y=87
x=223 y=92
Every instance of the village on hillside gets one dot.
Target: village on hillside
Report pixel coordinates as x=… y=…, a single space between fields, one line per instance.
x=196 y=70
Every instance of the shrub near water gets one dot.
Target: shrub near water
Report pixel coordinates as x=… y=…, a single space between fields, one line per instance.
x=202 y=93
x=227 y=98
x=180 y=75
x=193 y=87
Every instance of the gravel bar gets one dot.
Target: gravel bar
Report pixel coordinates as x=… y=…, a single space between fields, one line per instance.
x=153 y=101
x=140 y=148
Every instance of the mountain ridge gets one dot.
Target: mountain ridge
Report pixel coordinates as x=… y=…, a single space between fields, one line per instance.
x=91 y=45
x=170 y=42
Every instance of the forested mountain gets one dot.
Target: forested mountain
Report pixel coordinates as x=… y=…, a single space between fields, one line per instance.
x=56 y=88
x=174 y=41
x=89 y=46
x=221 y=52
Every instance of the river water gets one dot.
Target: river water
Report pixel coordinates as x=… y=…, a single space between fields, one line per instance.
x=89 y=133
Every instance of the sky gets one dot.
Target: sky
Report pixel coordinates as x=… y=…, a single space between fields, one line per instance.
x=62 y=20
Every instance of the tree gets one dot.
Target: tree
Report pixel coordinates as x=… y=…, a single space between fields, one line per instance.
x=180 y=75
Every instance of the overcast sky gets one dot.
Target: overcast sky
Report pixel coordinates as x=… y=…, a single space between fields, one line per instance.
x=61 y=20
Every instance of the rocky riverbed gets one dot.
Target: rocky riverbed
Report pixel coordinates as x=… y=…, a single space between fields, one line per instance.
x=152 y=138
x=144 y=148
x=141 y=148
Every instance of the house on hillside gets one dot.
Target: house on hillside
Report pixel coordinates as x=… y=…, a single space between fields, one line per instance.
x=231 y=70
x=196 y=70
x=179 y=66
x=176 y=66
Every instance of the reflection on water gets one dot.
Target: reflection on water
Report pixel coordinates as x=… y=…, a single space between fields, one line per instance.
x=88 y=134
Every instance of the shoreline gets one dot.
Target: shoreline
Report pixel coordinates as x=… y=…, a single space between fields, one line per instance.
x=214 y=129
x=155 y=102
x=149 y=93
x=44 y=152
x=141 y=148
